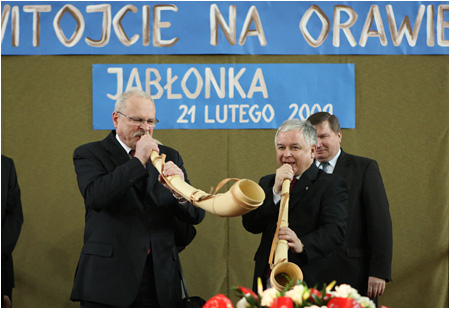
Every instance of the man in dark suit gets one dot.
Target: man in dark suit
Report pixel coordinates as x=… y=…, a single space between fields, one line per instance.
x=130 y=257
x=366 y=255
x=317 y=208
x=12 y=219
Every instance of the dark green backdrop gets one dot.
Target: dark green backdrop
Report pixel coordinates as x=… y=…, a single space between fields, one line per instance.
x=401 y=121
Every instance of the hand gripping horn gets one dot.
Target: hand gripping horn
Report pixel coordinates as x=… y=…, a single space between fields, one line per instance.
x=283 y=271
x=244 y=195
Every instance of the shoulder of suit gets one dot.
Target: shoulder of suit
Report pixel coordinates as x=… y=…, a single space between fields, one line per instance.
x=267 y=179
x=92 y=145
x=167 y=150
x=6 y=160
x=361 y=160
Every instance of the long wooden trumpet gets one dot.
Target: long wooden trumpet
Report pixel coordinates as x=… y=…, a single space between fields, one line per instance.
x=283 y=271
x=244 y=195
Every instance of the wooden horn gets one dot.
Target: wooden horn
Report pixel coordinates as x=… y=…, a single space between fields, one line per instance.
x=244 y=195
x=283 y=271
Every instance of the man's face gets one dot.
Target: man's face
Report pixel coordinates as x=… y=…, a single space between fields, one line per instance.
x=292 y=149
x=130 y=131
x=328 y=142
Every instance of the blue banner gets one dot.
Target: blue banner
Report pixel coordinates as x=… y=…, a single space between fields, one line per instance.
x=225 y=27
x=228 y=96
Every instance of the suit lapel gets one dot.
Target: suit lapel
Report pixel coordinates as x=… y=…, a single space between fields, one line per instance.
x=302 y=186
x=342 y=165
x=119 y=156
x=153 y=173
x=151 y=181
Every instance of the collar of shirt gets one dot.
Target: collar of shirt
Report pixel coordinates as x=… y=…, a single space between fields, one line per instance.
x=127 y=149
x=332 y=162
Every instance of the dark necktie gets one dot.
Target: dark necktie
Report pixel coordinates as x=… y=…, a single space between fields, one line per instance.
x=132 y=152
x=293 y=181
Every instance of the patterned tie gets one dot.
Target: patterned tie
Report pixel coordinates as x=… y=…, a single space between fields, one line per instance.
x=132 y=152
x=324 y=166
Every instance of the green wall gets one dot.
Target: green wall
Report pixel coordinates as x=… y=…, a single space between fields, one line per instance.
x=402 y=105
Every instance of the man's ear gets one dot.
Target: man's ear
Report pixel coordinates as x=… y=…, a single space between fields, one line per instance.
x=339 y=134
x=115 y=117
x=313 y=150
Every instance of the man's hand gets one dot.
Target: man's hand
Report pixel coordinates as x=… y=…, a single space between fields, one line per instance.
x=293 y=241
x=283 y=172
x=171 y=169
x=375 y=287
x=7 y=301
x=144 y=146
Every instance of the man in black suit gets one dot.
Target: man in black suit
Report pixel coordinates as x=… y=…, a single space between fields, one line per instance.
x=130 y=257
x=366 y=255
x=12 y=219
x=317 y=208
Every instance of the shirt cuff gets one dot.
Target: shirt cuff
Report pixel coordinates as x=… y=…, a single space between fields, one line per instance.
x=276 y=197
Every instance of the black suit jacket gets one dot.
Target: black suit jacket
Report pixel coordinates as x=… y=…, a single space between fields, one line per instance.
x=119 y=230
x=367 y=249
x=12 y=219
x=317 y=214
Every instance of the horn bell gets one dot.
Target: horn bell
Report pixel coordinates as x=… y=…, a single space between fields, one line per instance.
x=283 y=273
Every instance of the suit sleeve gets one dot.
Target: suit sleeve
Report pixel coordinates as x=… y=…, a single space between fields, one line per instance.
x=256 y=221
x=11 y=225
x=379 y=224
x=187 y=213
x=100 y=187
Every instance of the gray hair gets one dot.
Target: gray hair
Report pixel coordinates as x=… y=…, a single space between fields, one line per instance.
x=309 y=132
x=122 y=99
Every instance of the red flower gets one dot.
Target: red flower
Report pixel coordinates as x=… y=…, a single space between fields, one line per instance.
x=327 y=296
x=218 y=301
x=315 y=292
x=282 y=302
x=247 y=291
x=343 y=302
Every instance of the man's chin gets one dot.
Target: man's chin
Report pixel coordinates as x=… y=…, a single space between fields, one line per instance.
x=321 y=158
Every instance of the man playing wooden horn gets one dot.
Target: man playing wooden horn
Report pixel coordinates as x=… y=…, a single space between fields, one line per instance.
x=130 y=256
x=317 y=208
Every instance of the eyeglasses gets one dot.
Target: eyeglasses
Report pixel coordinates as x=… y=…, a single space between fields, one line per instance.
x=138 y=121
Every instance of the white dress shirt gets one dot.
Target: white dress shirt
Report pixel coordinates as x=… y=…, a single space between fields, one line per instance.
x=332 y=163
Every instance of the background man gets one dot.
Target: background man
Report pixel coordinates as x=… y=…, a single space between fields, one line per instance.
x=317 y=208
x=12 y=219
x=130 y=256
x=366 y=255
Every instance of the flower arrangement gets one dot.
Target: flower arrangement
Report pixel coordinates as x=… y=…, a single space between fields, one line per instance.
x=299 y=296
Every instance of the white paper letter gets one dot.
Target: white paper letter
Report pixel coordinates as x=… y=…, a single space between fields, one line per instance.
x=36 y=10
x=106 y=24
x=228 y=30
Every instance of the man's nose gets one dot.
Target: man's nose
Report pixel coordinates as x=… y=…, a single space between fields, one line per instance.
x=146 y=126
x=287 y=153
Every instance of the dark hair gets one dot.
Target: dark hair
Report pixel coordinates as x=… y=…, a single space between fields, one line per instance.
x=320 y=117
